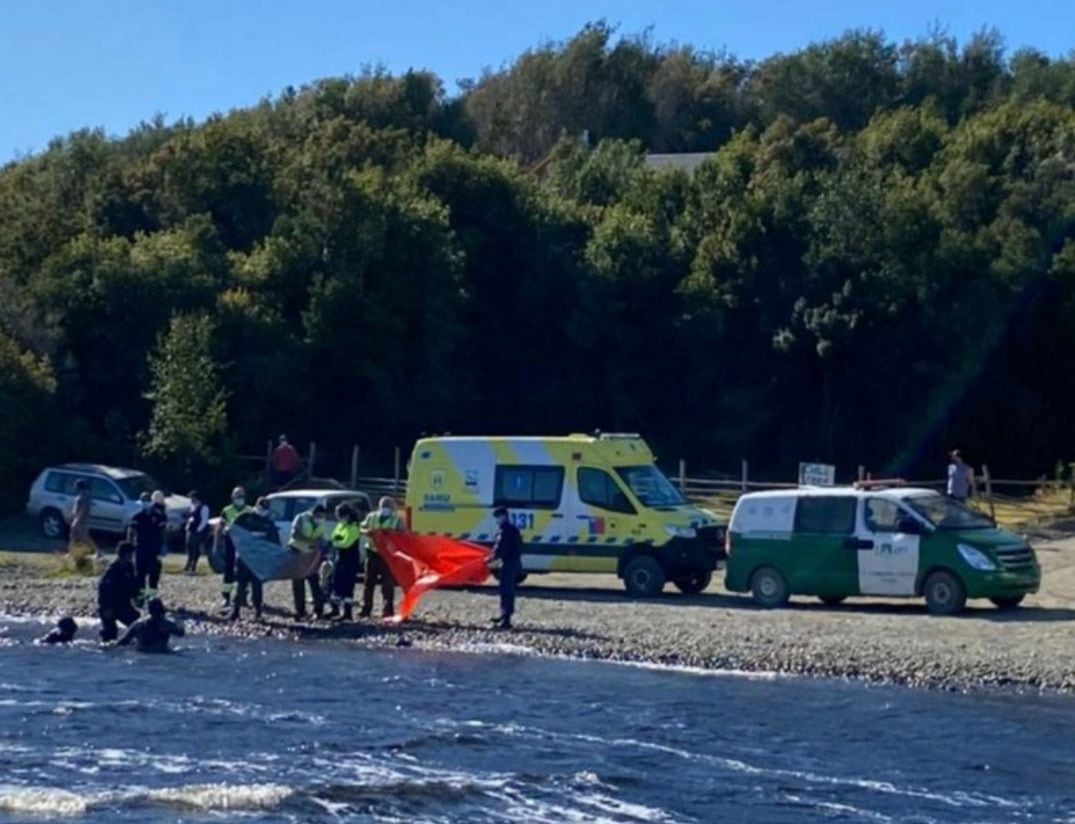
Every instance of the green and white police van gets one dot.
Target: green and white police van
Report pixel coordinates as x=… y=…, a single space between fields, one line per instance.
x=835 y=542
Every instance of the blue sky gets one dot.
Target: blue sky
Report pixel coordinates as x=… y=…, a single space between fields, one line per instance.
x=74 y=63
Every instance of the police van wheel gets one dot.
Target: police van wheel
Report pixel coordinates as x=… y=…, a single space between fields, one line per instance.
x=693 y=583
x=944 y=593
x=769 y=588
x=1008 y=603
x=643 y=577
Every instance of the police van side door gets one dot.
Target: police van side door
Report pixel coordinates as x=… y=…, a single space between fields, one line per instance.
x=887 y=556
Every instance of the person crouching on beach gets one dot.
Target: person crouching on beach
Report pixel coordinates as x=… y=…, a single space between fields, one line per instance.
x=345 y=540
x=116 y=592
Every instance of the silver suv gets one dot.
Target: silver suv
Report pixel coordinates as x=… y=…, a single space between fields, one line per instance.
x=114 y=492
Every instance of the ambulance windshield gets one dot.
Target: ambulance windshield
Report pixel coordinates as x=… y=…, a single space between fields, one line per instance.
x=650 y=486
x=946 y=513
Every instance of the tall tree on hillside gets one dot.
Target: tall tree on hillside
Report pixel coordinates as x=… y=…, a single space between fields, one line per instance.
x=189 y=404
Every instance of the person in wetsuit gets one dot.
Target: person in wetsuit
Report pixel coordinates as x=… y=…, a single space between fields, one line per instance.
x=151 y=633
x=116 y=592
x=62 y=633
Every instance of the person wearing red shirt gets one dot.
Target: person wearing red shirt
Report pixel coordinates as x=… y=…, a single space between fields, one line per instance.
x=285 y=463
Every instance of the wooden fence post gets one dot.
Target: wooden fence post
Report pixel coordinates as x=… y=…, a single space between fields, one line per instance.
x=745 y=475
x=312 y=460
x=396 y=477
x=354 y=466
x=268 y=457
x=682 y=476
x=1071 y=485
x=989 y=491
x=862 y=473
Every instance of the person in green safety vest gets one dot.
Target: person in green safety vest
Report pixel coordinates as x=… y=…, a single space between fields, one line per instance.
x=228 y=515
x=345 y=540
x=308 y=534
x=377 y=571
x=246 y=579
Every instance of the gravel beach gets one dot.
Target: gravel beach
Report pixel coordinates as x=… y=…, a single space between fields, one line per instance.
x=589 y=617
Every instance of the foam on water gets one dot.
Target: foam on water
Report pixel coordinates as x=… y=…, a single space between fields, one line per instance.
x=49 y=801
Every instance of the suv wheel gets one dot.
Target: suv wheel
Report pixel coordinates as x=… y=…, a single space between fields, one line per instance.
x=944 y=593
x=643 y=577
x=52 y=524
x=769 y=588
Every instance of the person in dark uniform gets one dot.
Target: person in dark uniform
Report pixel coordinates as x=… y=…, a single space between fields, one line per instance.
x=508 y=555
x=151 y=633
x=146 y=531
x=62 y=633
x=197 y=530
x=116 y=592
x=245 y=576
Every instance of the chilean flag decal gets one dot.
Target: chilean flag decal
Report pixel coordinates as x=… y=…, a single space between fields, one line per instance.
x=597 y=526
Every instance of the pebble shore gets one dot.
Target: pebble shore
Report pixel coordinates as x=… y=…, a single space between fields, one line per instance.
x=1032 y=648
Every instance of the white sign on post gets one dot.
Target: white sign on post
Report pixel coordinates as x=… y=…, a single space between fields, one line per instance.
x=817 y=474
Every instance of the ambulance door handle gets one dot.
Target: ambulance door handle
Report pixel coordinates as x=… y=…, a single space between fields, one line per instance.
x=557 y=515
x=858 y=543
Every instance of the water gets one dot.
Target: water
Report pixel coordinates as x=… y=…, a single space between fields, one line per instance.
x=231 y=730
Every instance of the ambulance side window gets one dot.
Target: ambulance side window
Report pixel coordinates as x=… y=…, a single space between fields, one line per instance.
x=529 y=487
x=597 y=488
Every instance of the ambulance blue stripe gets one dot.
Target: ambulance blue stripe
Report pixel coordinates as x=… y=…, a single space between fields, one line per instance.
x=574 y=539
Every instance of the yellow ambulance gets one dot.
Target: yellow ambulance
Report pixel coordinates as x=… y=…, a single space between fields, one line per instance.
x=584 y=503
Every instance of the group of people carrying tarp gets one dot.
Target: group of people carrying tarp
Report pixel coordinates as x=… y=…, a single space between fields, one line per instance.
x=328 y=560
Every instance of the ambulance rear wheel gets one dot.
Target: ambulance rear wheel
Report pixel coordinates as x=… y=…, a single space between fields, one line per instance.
x=693 y=583
x=944 y=593
x=643 y=577
x=768 y=588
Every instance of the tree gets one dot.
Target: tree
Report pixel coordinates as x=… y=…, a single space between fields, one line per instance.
x=189 y=405
x=30 y=434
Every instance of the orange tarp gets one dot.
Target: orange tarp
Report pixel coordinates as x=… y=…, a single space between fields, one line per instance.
x=420 y=563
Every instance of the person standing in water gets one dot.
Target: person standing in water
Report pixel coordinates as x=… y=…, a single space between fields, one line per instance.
x=151 y=633
x=62 y=633
x=116 y=592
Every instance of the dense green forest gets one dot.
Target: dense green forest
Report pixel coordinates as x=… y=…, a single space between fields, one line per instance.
x=876 y=262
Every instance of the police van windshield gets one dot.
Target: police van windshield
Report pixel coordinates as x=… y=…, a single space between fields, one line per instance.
x=946 y=513
x=650 y=486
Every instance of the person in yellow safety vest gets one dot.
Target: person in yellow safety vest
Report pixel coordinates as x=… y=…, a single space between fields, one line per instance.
x=228 y=515
x=308 y=534
x=377 y=571
x=345 y=540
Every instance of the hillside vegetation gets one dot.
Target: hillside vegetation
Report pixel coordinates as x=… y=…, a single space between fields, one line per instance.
x=876 y=262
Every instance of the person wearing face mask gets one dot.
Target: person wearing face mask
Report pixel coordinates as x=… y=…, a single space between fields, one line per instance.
x=146 y=532
x=228 y=515
x=245 y=577
x=308 y=535
x=377 y=571
x=508 y=553
x=345 y=540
